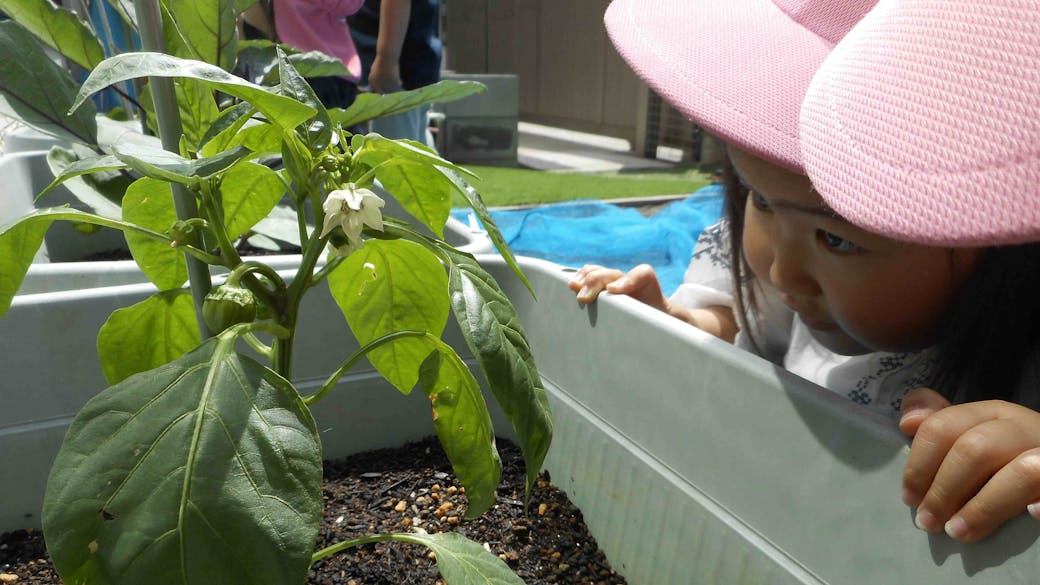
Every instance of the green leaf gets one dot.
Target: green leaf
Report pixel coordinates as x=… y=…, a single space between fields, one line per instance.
x=282 y=111
x=463 y=426
x=198 y=110
x=207 y=28
x=462 y=561
x=59 y=28
x=73 y=167
x=318 y=131
x=310 y=64
x=260 y=58
x=149 y=203
x=423 y=192
x=205 y=470
x=20 y=241
x=390 y=286
x=149 y=334
x=18 y=246
x=490 y=226
x=369 y=106
x=492 y=330
x=101 y=190
x=37 y=91
x=169 y=166
x=224 y=128
x=249 y=192
x=376 y=149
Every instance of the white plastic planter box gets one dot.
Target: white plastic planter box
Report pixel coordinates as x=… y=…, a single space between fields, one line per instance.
x=691 y=461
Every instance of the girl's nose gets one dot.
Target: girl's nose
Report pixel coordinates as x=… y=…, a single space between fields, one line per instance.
x=788 y=274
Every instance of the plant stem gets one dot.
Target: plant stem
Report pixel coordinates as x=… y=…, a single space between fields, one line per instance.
x=168 y=115
x=341 y=546
x=330 y=383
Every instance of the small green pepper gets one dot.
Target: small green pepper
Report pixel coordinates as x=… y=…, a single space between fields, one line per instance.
x=329 y=163
x=228 y=305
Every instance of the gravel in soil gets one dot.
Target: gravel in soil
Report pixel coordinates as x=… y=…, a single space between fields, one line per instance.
x=394 y=490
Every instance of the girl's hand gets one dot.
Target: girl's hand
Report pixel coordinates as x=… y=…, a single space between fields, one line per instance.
x=972 y=466
x=640 y=283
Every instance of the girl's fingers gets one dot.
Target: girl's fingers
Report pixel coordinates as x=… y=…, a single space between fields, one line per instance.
x=975 y=457
x=1012 y=490
x=590 y=280
x=917 y=405
x=933 y=440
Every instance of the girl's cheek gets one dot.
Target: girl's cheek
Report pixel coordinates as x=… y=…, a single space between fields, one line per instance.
x=757 y=249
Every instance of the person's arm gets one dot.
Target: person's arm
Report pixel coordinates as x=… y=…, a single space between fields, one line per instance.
x=385 y=75
x=257 y=17
x=972 y=466
x=641 y=283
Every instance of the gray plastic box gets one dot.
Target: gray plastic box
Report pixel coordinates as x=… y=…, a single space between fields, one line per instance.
x=481 y=128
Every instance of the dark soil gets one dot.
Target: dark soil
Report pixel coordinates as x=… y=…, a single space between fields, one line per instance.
x=392 y=490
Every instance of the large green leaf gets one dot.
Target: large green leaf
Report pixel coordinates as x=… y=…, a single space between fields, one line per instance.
x=225 y=127
x=205 y=470
x=369 y=106
x=198 y=110
x=149 y=203
x=70 y=165
x=494 y=234
x=463 y=426
x=20 y=241
x=207 y=28
x=462 y=561
x=101 y=190
x=169 y=166
x=59 y=28
x=318 y=131
x=248 y=192
x=377 y=150
x=260 y=58
x=149 y=334
x=18 y=246
x=423 y=192
x=492 y=329
x=38 y=91
x=391 y=286
x=282 y=111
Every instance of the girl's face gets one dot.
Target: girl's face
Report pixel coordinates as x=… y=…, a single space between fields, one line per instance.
x=856 y=291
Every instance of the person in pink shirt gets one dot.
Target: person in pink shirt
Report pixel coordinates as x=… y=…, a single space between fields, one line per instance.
x=316 y=25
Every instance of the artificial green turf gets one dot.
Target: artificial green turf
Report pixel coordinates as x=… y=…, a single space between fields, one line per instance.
x=503 y=186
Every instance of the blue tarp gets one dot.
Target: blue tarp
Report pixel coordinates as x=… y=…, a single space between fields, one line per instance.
x=593 y=232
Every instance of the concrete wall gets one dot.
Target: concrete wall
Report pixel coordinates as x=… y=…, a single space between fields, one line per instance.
x=570 y=75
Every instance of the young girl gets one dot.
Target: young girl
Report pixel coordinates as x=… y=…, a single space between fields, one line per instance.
x=850 y=308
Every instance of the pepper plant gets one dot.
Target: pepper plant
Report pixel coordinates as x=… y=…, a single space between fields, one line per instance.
x=202 y=463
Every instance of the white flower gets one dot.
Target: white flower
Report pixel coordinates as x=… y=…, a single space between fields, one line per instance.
x=352 y=209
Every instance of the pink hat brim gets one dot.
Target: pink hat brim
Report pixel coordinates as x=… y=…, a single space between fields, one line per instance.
x=924 y=123
x=737 y=68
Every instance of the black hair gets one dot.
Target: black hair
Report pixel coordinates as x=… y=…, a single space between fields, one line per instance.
x=740 y=273
x=992 y=330
x=991 y=333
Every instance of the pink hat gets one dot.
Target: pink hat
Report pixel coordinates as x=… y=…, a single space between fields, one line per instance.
x=738 y=68
x=924 y=122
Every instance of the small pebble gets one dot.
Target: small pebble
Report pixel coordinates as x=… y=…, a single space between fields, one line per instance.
x=401 y=506
x=8 y=578
x=542 y=508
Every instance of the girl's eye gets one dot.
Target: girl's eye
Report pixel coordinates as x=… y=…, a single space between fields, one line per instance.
x=837 y=243
x=759 y=201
